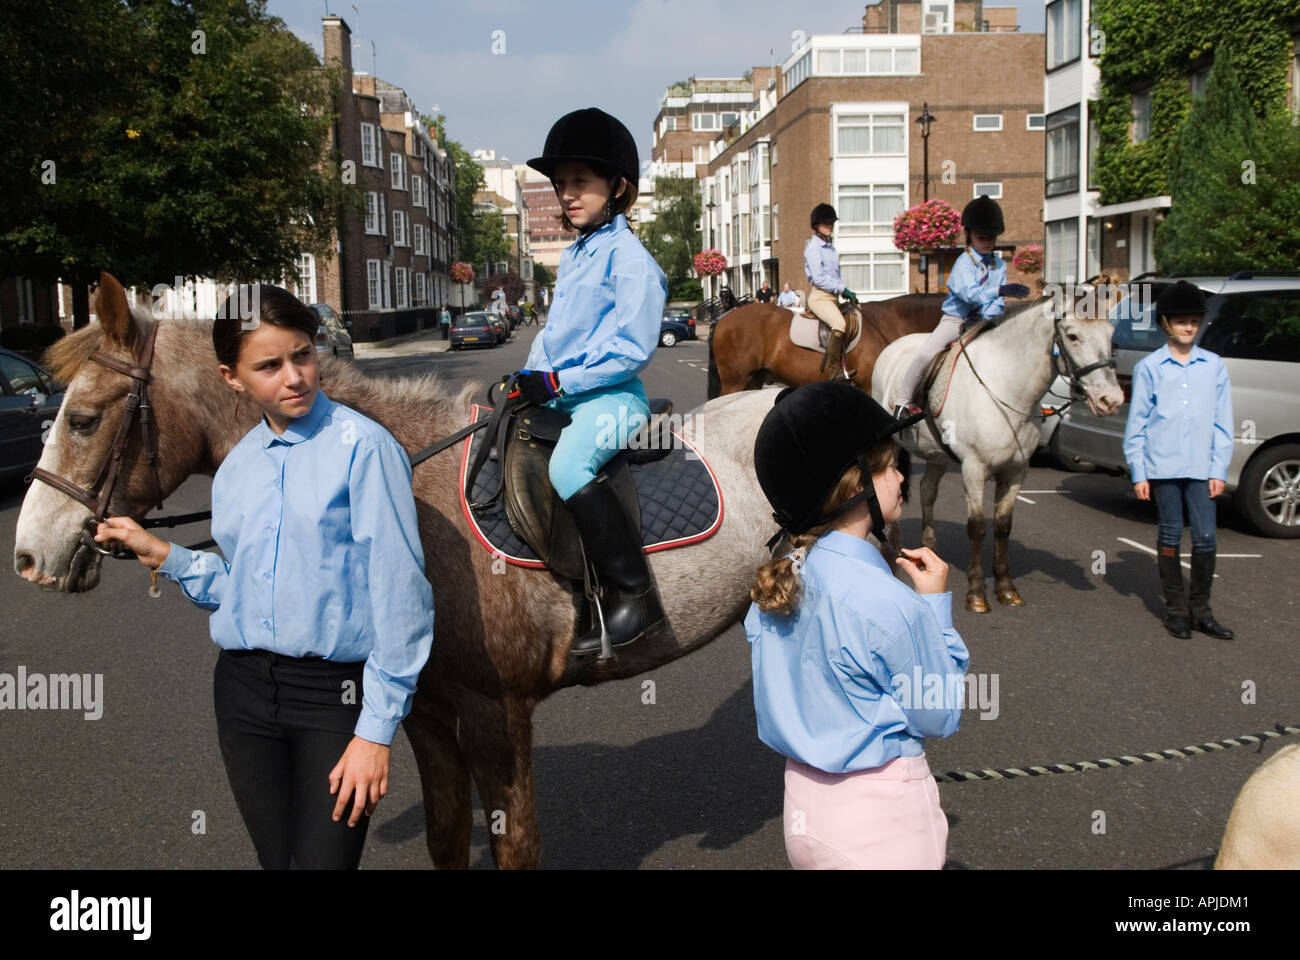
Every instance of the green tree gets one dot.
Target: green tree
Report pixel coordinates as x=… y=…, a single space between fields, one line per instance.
x=673 y=237
x=198 y=149
x=542 y=275
x=490 y=243
x=1232 y=182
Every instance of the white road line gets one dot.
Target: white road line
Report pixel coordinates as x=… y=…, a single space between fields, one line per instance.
x=1026 y=499
x=1040 y=491
x=1145 y=549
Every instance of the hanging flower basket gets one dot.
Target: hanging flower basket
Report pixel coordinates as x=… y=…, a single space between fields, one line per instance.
x=927 y=226
x=462 y=272
x=1029 y=259
x=710 y=263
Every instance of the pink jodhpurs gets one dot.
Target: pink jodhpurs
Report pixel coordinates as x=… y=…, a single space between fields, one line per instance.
x=885 y=818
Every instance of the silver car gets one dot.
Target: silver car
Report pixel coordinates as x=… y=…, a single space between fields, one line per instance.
x=1252 y=321
x=332 y=338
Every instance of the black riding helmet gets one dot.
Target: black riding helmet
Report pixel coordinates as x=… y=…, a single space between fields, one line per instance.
x=808 y=439
x=1179 y=299
x=983 y=215
x=594 y=137
x=822 y=213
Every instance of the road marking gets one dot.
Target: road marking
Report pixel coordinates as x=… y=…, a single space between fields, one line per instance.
x=1040 y=491
x=1026 y=499
x=1146 y=549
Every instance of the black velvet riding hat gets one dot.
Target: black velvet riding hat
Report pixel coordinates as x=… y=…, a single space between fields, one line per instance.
x=592 y=136
x=1179 y=299
x=808 y=439
x=983 y=215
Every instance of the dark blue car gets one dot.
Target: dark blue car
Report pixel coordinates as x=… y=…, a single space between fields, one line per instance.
x=29 y=402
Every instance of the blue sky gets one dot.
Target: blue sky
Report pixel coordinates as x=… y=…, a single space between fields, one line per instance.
x=560 y=55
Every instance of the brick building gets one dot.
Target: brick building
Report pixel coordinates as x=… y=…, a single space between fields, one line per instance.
x=390 y=269
x=840 y=126
x=547 y=237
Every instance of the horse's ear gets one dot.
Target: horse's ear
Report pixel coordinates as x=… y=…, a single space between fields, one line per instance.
x=111 y=308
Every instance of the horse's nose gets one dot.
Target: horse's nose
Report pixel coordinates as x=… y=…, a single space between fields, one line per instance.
x=25 y=565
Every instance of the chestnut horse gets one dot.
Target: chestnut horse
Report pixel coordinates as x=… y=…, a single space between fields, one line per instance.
x=750 y=346
x=501 y=637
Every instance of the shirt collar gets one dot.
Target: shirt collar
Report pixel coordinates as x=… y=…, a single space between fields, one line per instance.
x=593 y=241
x=299 y=428
x=1164 y=353
x=979 y=258
x=822 y=240
x=847 y=545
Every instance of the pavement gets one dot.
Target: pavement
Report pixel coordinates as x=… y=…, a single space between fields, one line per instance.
x=422 y=341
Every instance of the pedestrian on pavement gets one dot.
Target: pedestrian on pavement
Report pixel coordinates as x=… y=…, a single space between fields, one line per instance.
x=609 y=302
x=846 y=658
x=765 y=293
x=788 y=298
x=320 y=605
x=444 y=321
x=1178 y=443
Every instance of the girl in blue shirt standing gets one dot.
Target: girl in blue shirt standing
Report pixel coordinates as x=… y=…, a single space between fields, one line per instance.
x=852 y=669
x=601 y=332
x=1178 y=443
x=320 y=605
x=976 y=288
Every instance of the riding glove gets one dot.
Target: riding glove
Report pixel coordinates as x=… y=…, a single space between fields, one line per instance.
x=1017 y=290
x=848 y=294
x=538 y=387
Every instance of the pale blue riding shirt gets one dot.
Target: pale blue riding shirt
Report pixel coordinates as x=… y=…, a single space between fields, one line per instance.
x=609 y=304
x=825 y=687
x=1180 y=418
x=323 y=555
x=973 y=286
x=821 y=264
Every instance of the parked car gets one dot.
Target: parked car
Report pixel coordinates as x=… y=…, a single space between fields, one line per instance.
x=516 y=315
x=672 y=329
x=1252 y=321
x=501 y=324
x=332 y=337
x=476 y=329
x=29 y=401
x=683 y=315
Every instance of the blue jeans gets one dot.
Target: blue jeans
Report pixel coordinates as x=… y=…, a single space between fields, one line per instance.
x=1172 y=497
x=603 y=419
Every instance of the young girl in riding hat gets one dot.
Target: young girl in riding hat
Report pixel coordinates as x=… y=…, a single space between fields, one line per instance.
x=821 y=264
x=602 y=330
x=320 y=605
x=976 y=288
x=842 y=651
x=1178 y=443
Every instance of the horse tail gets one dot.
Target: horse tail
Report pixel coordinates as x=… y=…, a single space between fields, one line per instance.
x=715 y=381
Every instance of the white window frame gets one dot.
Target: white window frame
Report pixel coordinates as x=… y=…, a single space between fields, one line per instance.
x=305 y=288
x=401 y=237
x=374 y=284
x=1139 y=97
x=398 y=167
x=420 y=291
x=418 y=189
x=1040 y=125
x=1069 y=18
x=975 y=122
x=698 y=126
x=372 y=219
x=874 y=227
x=388 y=284
x=870 y=260
x=417 y=240
x=373 y=159
x=976 y=191
x=871 y=124
x=401 y=295
x=1056 y=253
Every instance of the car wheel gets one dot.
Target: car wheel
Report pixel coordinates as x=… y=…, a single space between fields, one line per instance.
x=668 y=338
x=1269 y=492
x=1061 y=461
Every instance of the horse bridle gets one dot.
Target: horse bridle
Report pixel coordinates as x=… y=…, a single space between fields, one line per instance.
x=1073 y=373
x=98 y=495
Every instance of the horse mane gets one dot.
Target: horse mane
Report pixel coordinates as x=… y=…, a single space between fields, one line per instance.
x=65 y=356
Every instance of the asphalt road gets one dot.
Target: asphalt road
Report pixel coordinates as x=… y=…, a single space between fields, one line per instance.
x=1083 y=671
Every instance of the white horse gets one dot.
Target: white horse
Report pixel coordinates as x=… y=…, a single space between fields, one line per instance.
x=988 y=424
x=1263 y=830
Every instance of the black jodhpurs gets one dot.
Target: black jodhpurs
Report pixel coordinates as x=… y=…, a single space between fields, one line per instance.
x=283 y=723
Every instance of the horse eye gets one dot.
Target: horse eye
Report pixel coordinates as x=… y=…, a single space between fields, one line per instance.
x=1072 y=337
x=82 y=423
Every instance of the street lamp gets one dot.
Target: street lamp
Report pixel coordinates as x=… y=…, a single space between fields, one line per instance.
x=925 y=119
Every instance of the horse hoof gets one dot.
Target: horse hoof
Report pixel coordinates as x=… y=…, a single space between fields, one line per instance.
x=976 y=604
x=1010 y=598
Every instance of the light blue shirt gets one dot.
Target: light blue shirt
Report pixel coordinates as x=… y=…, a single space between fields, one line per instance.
x=836 y=683
x=334 y=569
x=788 y=298
x=821 y=264
x=604 y=325
x=973 y=286
x=1179 y=418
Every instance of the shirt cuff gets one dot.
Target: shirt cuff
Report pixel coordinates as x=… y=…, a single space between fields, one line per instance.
x=178 y=558
x=375 y=728
x=941 y=604
x=570 y=379
x=1137 y=473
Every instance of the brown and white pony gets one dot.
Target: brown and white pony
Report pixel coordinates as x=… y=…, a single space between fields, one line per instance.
x=500 y=641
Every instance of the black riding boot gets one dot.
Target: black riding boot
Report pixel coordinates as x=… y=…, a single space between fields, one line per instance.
x=831 y=359
x=1177 y=621
x=1202 y=578
x=612 y=540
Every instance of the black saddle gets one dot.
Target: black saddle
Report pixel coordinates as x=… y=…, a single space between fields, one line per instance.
x=525 y=438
